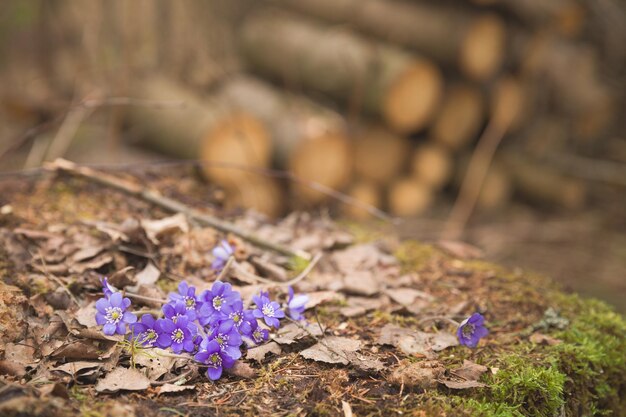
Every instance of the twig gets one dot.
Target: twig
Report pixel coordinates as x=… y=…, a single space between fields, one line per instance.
x=476 y=173
x=292 y=281
x=226 y=268
x=143 y=298
x=173 y=380
x=154 y=197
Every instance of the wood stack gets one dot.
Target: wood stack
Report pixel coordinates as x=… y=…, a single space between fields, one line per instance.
x=385 y=100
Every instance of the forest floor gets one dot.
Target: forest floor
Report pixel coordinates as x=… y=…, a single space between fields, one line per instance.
x=378 y=339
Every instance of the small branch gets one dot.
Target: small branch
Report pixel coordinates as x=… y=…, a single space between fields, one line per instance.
x=173 y=380
x=144 y=298
x=476 y=173
x=226 y=268
x=154 y=197
x=292 y=281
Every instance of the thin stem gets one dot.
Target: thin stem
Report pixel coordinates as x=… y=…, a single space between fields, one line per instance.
x=226 y=268
x=292 y=281
x=172 y=380
x=144 y=298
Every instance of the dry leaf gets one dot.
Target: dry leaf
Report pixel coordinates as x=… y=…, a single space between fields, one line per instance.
x=156 y=228
x=544 y=339
x=155 y=365
x=291 y=333
x=242 y=370
x=123 y=379
x=413 y=342
x=424 y=374
x=320 y=297
x=347 y=409
x=95 y=263
x=87 y=253
x=73 y=368
x=19 y=353
x=470 y=371
x=170 y=388
x=148 y=276
x=86 y=316
x=407 y=296
x=361 y=283
x=258 y=353
x=332 y=349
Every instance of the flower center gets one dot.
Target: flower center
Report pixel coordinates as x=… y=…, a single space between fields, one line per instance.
x=190 y=303
x=215 y=360
x=468 y=330
x=114 y=315
x=236 y=317
x=178 y=335
x=217 y=302
x=268 y=310
x=148 y=337
x=221 y=339
x=258 y=336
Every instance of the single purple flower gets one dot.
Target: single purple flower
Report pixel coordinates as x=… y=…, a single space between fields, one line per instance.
x=228 y=338
x=146 y=331
x=186 y=294
x=107 y=288
x=214 y=300
x=296 y=305
x=112 y=315
x=267 y=310
x=471 y=330
x=221 y=253
x=178 y=335
x=177 y=309
x=241 y=318
x=214 y=358
x=260 y=335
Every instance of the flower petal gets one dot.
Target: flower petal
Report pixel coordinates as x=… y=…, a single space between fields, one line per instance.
x=214 y=373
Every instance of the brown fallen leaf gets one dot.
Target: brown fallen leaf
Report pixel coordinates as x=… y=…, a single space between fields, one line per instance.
x=407 y=296
x=95 y=263
x=155 y=364
x=157 y=228
x=258 y=353
x=424 y=374
x=242 y=370
x=357 y=306
x=361 y=283
x=74 y=368
x=148 y=276
x=171 y=388
x=469 y=371
x=412 y=342
x=292 y=333
x=332 y=349
x=86 y=315
x=544 y=339
x=123 y=379
x=87 y=253
x=84 y=349
x=320 y=297
x=19 y=353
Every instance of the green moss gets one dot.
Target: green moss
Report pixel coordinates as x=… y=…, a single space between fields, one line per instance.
x=537 y=388
x=413 y=255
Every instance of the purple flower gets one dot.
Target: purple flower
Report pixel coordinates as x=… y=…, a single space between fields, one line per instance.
x=214 y=358
x=296 y=305
x=107 y=288
x=177 y=310
x=178 y=335
x=146 y=330
x=221 y=253
x=241 y=318
x=227 y=338
x=267 y=310
x=186 y=294
x=112 y=315
x=471 y=330
x=260 y=335
x=214 y=302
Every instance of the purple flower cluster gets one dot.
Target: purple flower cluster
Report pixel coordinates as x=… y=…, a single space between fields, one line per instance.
x=212 y=325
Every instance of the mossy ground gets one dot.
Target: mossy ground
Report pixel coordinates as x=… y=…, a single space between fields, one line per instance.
x=583 y=375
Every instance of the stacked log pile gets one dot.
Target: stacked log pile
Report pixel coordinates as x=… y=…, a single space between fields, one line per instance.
x=383 y=100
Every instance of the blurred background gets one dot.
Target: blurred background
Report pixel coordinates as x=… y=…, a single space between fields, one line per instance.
x=497 y=122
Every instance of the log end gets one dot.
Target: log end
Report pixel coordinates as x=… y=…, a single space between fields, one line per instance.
x=432 y=165
x=326 y=160
x=409 y=197
x=235 y=144
x=364 y=192
x=264 y=195
x=412 y=99
x=482 y=51
x=460 y=118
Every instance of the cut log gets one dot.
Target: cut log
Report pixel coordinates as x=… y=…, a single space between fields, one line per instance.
x=472 y=42
x=510 y=102
x=264 y=195
x=200 y=128
x=308 y=139
x=567 y=17
x=379 y=155
x=365 y=192
x=460 y=118
x=409 y=197
x=402 y=89
x=542 y=185
x=432 y=165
